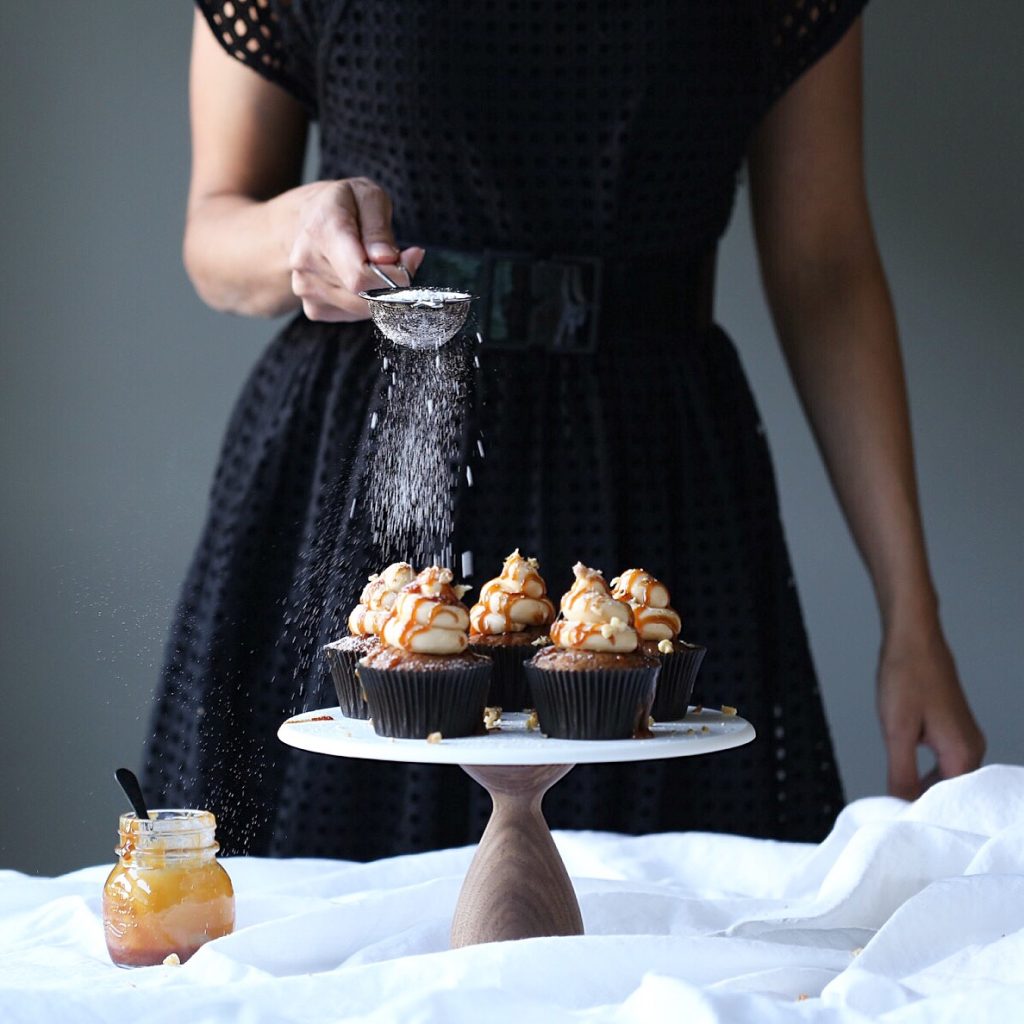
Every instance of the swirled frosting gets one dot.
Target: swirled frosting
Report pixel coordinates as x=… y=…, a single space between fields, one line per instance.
x=512 y=601
x=378 y=598
x=592 y=619
x=653 y=617
x=428 y=617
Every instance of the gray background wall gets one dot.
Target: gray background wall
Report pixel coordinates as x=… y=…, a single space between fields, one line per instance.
x=116 y=384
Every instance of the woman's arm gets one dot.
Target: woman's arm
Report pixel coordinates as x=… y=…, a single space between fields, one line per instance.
x=256 y=242
x=830 y=302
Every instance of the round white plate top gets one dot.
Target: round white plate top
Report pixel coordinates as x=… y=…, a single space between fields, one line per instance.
x=328 y=732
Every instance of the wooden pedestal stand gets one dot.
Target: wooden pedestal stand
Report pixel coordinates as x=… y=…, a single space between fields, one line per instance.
x=517 y=886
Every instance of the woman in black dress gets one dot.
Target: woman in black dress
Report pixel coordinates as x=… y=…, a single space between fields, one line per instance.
x=575 y=164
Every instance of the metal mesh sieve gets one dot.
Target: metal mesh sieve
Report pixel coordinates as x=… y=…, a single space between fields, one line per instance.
x=419 y=318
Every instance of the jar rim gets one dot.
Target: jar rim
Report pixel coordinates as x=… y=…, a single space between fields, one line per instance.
x=168 y=821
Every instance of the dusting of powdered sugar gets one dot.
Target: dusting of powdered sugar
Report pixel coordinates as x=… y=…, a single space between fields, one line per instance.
x=417 y=459
x=431 y=298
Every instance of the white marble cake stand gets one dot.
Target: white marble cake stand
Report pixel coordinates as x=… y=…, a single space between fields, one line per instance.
x=517 y=886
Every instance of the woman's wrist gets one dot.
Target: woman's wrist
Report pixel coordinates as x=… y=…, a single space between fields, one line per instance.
x=236 y=252
x=911 y=615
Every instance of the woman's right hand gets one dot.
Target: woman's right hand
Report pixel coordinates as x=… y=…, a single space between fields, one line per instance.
x=342 y=225
x=256 y=243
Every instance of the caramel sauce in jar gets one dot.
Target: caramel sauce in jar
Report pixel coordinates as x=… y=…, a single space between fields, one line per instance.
x=167 y=893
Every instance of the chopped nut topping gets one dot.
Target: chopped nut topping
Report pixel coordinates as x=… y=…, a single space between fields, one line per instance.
x=542 y=641
x=461 y=590
x=650 y=721
x=373 y=577
x=172 y=960
x=665 y=646
x=609 y=629
x=698 y=709
x=434 y=737
x=728 y=710
x=704 y=728
x=532 y=721
x=492 y=716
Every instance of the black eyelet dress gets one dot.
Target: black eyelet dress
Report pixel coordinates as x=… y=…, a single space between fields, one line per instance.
x=610 y=130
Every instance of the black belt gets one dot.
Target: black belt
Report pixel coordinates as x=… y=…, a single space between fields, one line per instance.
x=575 y=304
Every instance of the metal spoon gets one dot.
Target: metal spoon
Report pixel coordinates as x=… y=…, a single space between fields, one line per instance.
x=130 y=784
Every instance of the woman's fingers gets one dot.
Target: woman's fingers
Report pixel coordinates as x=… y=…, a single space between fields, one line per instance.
x=341 y=242
x=327 y=259
x=411 y=259
x=373 y=209
x=327 y=300
x=921 y=702
x=903 y=780
x=316 y=304
x=344 y=226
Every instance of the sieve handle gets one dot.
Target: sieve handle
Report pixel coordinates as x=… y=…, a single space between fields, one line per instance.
x=384 y=277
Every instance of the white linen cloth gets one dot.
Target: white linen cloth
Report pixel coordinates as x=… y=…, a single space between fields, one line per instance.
x=906 y=913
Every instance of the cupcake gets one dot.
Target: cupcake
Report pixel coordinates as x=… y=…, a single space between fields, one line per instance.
x=512 y=613
x=658 y=626
x=364 y=625
x=592 y=682
x=422 y=680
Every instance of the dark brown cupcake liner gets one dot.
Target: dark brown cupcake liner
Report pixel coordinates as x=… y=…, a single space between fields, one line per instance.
x=675 y=683
x=602 y=704
x=412 y=705
x=343 y=672
x=509 y=689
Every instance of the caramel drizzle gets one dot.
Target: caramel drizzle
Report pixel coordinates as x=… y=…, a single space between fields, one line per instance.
x=531 y=577
x=374 y=605
x=480 y=611
x=438 y=603
x=358 y=619
x=495 y=600
x=501 y=602
x=413 y=626
x=624 y=591
x=576 y=634
x=646 y=615
x=584 y=597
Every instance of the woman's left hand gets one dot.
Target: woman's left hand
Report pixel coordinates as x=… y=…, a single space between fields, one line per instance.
x=920 y=701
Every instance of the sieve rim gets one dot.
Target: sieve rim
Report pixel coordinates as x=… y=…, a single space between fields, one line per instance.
x=447 y=296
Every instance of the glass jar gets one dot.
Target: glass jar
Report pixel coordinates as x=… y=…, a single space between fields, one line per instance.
x=167 y=893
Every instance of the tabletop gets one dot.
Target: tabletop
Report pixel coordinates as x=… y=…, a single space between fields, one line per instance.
x=908 y=913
